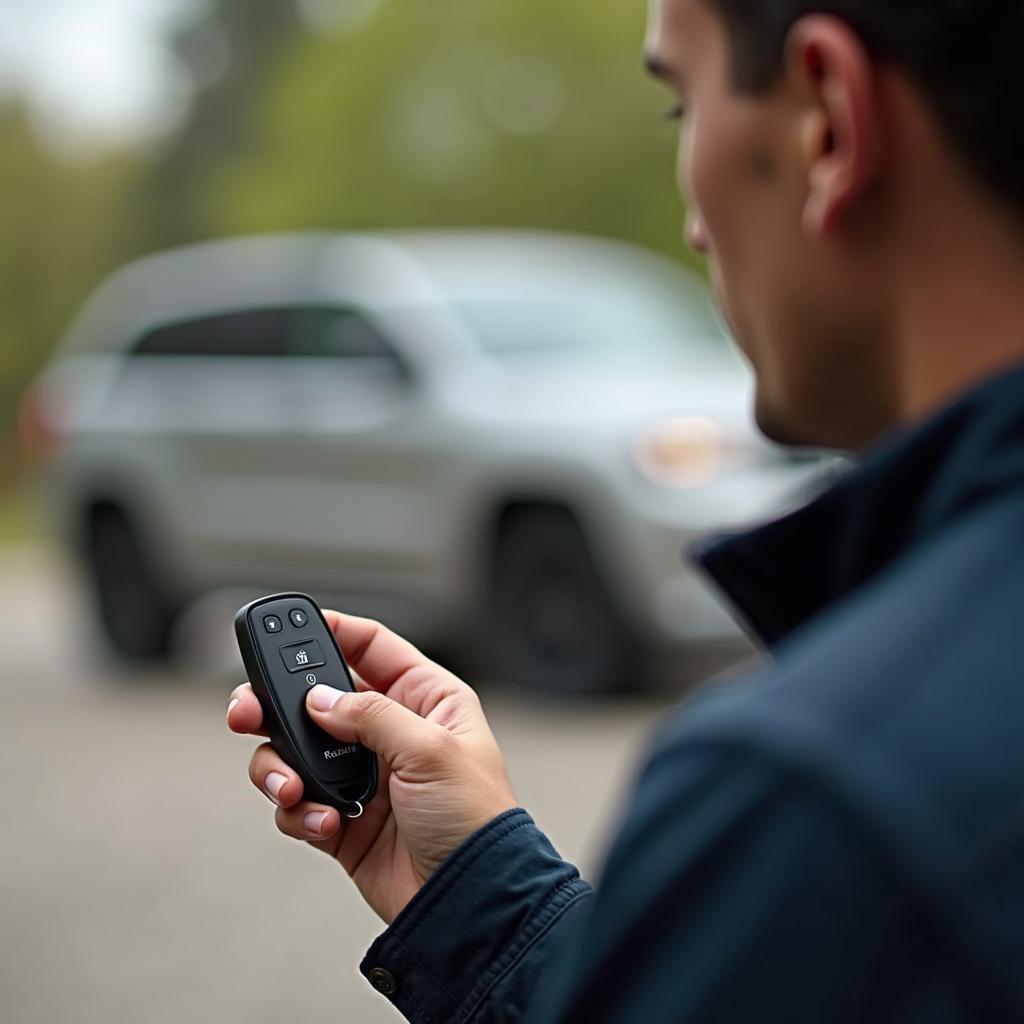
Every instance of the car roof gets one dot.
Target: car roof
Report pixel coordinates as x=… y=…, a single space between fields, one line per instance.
x=379 y=269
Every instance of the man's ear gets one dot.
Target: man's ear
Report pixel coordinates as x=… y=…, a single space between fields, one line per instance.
x=840 y=131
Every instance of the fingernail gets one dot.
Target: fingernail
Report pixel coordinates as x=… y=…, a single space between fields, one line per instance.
x=273 y=783
x=314 y=821
x=323 y=698
x=234 y=701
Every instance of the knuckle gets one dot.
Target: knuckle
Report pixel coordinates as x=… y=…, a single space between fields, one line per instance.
x=467 y=693
x=365 y=706
x=438 y=747
x=372 y=632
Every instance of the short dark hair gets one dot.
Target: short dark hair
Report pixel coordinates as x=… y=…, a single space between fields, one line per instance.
x=964 y=55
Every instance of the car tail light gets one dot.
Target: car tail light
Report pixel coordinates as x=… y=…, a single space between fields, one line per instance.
x=39 y=433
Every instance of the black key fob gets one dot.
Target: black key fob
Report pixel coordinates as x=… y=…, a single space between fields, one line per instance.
x=287 y=647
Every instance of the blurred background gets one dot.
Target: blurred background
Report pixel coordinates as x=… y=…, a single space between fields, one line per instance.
x=426 y=344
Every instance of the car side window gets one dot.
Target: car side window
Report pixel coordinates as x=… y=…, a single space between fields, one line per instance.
x=254 y=333
x=345 y=334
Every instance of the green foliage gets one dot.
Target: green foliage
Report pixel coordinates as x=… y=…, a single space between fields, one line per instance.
x=394 y=124
x=222 y=121
x=17 y=517
x=61 y=229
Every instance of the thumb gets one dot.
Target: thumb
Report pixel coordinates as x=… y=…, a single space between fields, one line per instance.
x=399 y=735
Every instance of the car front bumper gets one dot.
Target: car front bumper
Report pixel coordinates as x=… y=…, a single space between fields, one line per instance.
x=674 y=604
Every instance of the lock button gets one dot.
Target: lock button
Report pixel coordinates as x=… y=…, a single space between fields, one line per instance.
x=300 y=657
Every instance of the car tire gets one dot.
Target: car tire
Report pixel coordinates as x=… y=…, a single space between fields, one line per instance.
x=134 y=612
x=552 y=624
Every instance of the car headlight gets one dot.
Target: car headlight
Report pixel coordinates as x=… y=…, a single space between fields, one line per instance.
x=685 y=451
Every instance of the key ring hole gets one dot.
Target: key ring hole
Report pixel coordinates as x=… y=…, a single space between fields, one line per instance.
x=358 y=813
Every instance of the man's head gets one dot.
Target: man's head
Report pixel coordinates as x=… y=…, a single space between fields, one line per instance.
x=826 y=145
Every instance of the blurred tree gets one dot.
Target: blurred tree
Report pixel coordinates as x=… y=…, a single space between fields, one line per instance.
x=230 y=50
x=397 y=113
x=63 y=229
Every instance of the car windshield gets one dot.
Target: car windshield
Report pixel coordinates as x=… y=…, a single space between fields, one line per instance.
x=644 y=325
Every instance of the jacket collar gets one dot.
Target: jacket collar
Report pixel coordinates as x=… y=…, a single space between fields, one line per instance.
x=912 y=482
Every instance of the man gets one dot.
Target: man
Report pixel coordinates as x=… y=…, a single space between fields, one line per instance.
x=841 y=836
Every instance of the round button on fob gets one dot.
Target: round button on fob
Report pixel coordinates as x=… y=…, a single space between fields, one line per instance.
x=298 y=618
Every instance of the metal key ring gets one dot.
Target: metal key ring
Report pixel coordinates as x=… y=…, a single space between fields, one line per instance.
x=359 y=811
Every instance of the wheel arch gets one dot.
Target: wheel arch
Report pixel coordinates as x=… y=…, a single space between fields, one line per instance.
x=116 y=495
x=591 y=508
x=583 y=535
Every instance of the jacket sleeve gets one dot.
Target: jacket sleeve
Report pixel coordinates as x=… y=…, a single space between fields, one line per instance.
x=734 y=892
x=471 y=943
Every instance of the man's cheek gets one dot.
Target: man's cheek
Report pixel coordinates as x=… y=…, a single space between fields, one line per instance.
x=684 y=161
x=723 y=305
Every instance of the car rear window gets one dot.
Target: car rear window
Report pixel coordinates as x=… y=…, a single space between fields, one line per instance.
x=260 y=333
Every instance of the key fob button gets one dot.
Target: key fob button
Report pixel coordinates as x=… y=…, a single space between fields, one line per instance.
x=272 y=624
x=298 y=618
x=302 y=657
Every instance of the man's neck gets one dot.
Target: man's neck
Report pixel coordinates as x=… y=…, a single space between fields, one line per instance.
x=953 y=268
x=959 y=308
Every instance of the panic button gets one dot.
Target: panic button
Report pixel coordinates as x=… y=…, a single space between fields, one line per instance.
x=302 y=656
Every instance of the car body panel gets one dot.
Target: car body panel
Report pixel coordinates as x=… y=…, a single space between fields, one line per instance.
x=382 y=487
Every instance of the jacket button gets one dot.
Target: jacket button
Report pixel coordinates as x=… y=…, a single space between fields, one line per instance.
x=383 y=981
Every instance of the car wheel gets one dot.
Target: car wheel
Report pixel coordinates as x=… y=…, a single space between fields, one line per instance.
x=134 y=612
x=552 y=624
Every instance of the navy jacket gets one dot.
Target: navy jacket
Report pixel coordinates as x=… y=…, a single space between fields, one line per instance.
x=836 y=837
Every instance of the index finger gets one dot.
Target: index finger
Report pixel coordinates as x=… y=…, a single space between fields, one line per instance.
x=379 y=656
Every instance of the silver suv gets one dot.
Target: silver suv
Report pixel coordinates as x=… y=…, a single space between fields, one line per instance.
x=496 y=442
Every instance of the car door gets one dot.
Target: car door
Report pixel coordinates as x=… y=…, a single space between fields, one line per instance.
x=213 y=414
x=365 y=451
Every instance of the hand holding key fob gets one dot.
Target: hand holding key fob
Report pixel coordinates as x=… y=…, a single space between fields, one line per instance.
x=287 y=647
